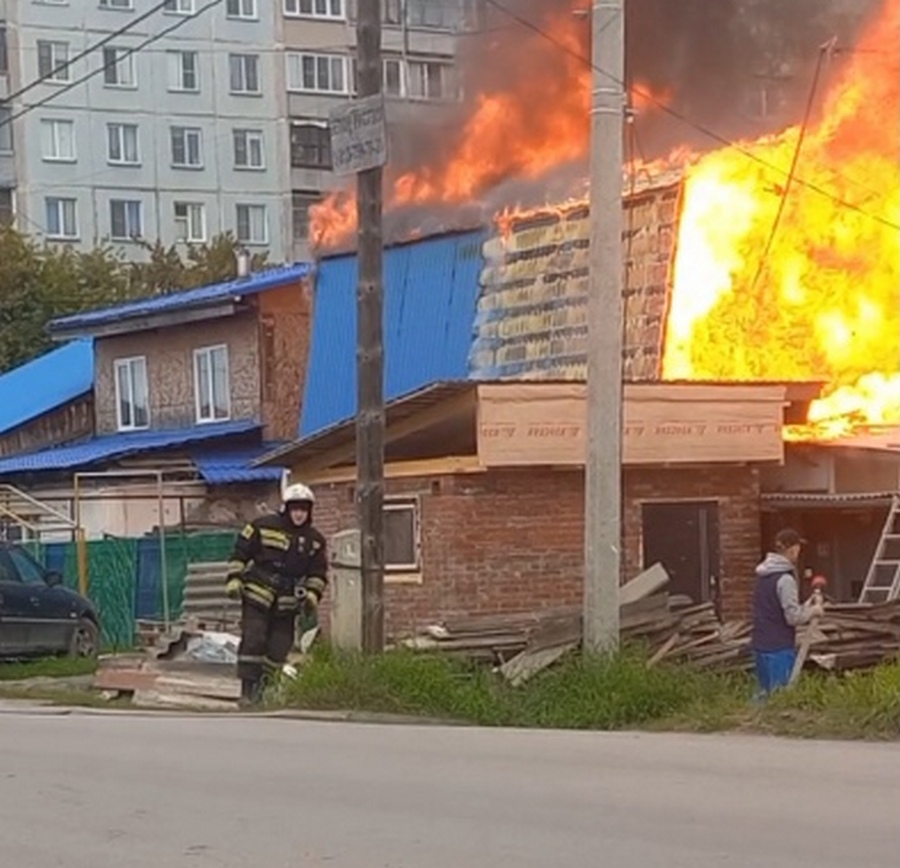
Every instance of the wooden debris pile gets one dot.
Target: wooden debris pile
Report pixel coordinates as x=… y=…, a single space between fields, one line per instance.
x=673 y=628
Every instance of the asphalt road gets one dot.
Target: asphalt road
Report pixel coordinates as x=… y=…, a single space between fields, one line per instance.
x=84 y=791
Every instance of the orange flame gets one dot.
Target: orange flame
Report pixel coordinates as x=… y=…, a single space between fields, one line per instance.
x=824 y=304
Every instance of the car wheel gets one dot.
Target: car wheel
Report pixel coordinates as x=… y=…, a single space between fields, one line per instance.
x=85 y=640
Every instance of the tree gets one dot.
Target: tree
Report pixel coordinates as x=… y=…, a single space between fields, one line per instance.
x=41 y=283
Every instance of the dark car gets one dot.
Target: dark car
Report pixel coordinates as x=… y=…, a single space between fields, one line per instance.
x=38 y=616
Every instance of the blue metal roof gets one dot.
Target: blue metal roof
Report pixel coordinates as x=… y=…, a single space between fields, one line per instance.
x=191 y=298
x=431 y=292
x=46 y=383
x=227 y=466
x=112 y=446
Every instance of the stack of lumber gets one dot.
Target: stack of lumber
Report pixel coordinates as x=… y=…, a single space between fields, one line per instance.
x=673 y=628
x=855 y=636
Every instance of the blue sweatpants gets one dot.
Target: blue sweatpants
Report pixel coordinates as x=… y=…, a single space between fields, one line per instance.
x=773 y=669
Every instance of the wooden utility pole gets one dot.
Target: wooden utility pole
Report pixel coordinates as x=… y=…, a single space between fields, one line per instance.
x=603 y=467
x=370 y=349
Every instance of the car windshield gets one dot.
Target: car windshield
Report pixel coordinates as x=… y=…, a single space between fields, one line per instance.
x=28 y=570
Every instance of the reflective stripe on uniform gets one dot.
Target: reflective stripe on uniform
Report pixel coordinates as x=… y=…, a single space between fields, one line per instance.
x=248 y=531
x=316 y=585
x=251 y=658
x=259 y=594
x=275 y=539
x=287 y=604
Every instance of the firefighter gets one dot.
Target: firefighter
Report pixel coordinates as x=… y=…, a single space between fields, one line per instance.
x=278 y=567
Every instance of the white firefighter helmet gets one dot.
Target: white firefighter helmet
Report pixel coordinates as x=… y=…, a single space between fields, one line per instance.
x=297 y=492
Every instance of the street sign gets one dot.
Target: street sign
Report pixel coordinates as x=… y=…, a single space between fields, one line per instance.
x=358 y=136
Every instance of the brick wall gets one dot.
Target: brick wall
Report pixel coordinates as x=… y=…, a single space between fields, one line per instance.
x=512 y=541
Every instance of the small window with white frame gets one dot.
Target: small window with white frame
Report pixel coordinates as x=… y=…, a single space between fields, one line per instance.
x=211 y=387
x=118 y=68
x=187 y=147
x=58 y=141
x=243 y=9
x=132 y=395
x=122 y=147
x=179 y=7
x=252 y=224
x=190 y=222
x=184 y=71
x=62 y=218
x=249 y=149
x=330 y=9
x=243 y=74
x=53 y=61
x=125 y=5
x=401 y=535
x=126 y=219
x=317 y=73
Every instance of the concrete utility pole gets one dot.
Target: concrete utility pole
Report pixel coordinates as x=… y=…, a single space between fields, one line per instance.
x=370 y=350
x=605 y=315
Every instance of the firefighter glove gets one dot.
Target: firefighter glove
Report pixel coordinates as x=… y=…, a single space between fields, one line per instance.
x=233 y=588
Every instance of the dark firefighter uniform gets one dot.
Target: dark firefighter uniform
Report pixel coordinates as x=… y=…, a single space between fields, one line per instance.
x=276 y=568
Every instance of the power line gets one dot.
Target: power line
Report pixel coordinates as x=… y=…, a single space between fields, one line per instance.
x=90 y=50
x=126 y=52
x=701 y=128
x=786 y=188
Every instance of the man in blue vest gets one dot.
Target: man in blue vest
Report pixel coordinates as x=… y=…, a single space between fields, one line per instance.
x=777 y=612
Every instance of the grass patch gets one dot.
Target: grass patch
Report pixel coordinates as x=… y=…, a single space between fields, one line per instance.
x=50 y=667
x=597 y=693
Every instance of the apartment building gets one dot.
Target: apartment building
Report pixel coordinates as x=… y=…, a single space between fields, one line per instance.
x=128 y=120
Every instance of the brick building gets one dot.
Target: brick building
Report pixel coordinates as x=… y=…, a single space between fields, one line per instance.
x=484 y=510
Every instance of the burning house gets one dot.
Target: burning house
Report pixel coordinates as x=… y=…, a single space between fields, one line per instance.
x=749 y=283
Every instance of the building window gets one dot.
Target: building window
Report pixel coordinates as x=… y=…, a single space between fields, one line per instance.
x=118 y=68
x=179 y=7
x=249 y=149
x=252 y=224
x=187 y=148
x=401 y=536
x=53 y=61
x=211 y=386
x=391 y=11
x=7 y=206
x=190 y=222
x=184 y=71
x=310 y=146
x=434 y=14
x=244 y=73
x=122 y=144
x=58 y=141
x=132 y=405
x=6 y=132
x=62 y=218
x=430 y=80
x=4 y=50
x=314 y=9
x=301 y=202
x=317 y=73
x=392 y=77
x=241 y=9
x=116 y=4
x=126 y=218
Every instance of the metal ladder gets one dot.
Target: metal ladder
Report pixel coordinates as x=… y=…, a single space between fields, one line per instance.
x=882 y=582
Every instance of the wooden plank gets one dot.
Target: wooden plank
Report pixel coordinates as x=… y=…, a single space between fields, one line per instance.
x=527 y=664
x=643 y=585
x=447 y=466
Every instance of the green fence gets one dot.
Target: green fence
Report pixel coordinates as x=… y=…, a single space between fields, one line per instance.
x=125 y=576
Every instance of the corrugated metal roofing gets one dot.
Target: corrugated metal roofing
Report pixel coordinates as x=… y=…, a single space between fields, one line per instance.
x=431 y=292
x=800 y=500
x=192 y=298
x=113 y=446
x=46 y=383
x=224 y=467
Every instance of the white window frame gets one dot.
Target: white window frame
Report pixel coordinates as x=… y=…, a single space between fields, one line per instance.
x=297 y=75
x=60 y=70
x=294 y=9
x=179 y=7
x=242 y=13
x=249 y=136
x=127 y=213
x=192 y=210
x=252 y=242
x=129 y=364
x=176 y=64
x=6 y=130
x=61 y=202
x=120 y=130
x=411 y=505
x=187 y=133
x=446 y=69
x=243 y=90
x=124 y=62
x=54 y=124
x=208 y=352
x=401 y=72
x=118 y=5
